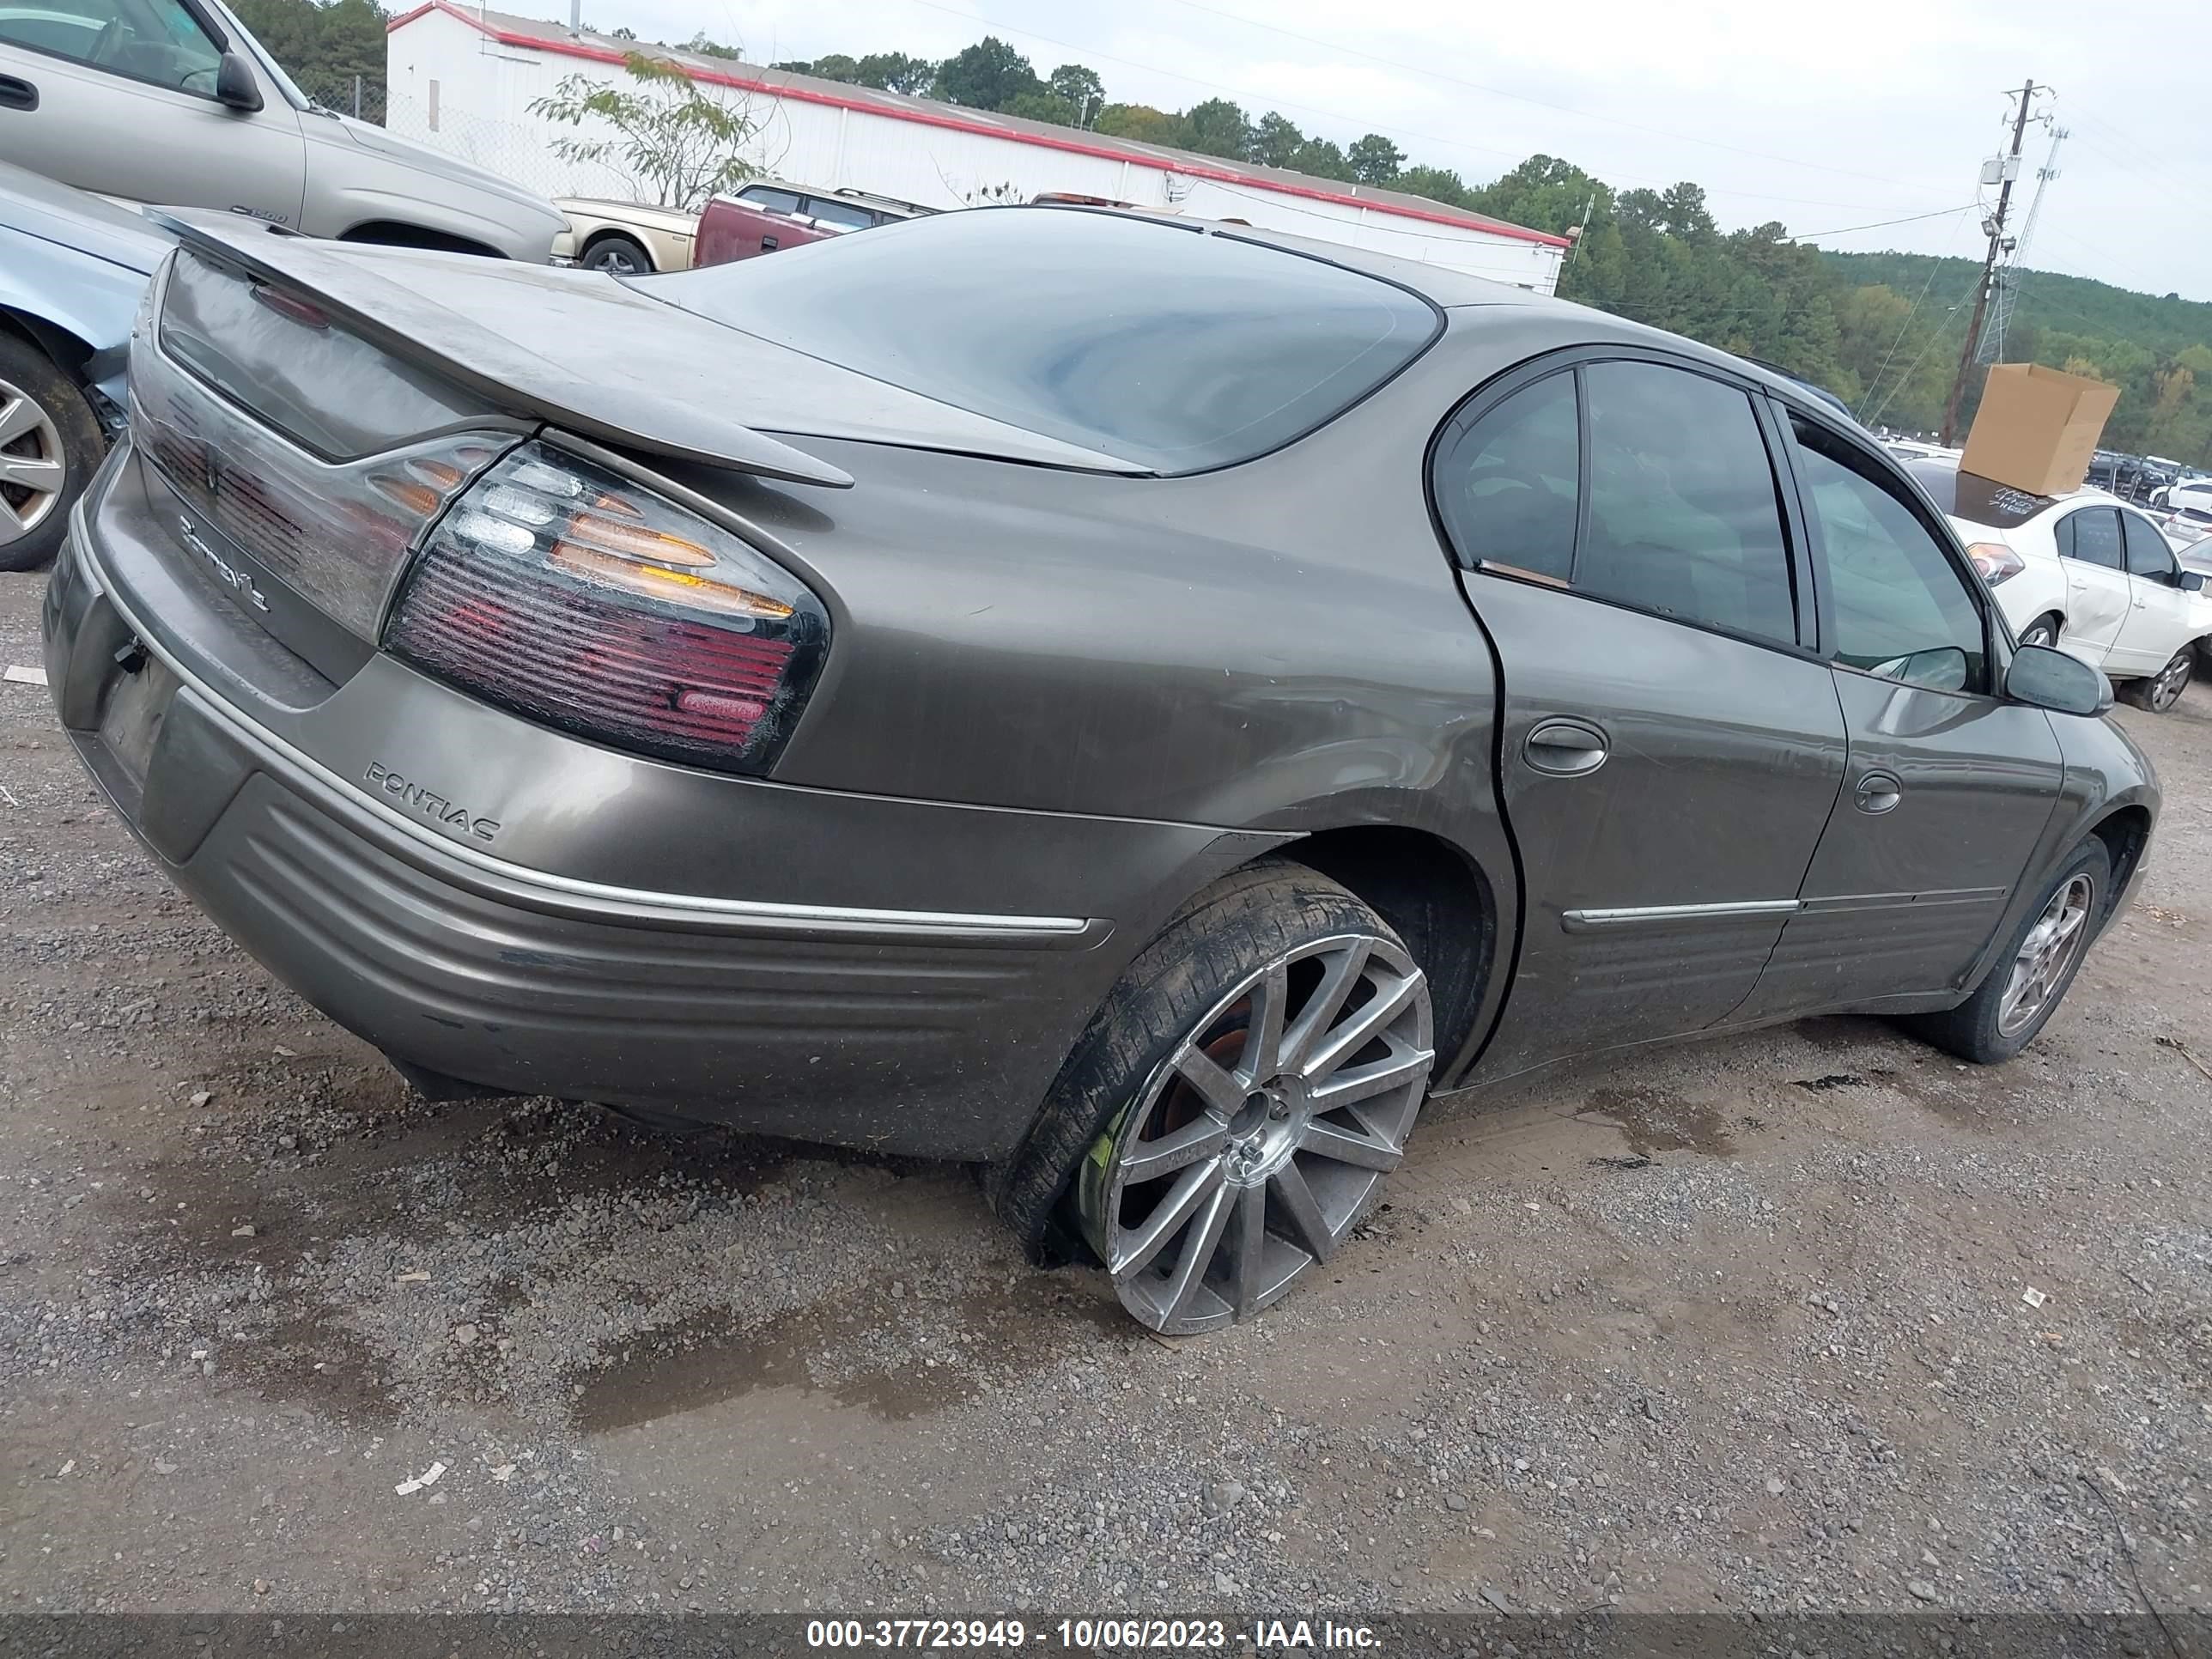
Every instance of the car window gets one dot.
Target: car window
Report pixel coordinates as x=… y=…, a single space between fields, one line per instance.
x=1172 y=348
x=2146 y=550
x=840 y=212
x=1684 y=517
x=1902 y=609
x=2093 y=536
x=766 y=196
x=155 y=41
x=1507 y=490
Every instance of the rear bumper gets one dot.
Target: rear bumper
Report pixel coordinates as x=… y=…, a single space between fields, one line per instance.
x=924 y=1028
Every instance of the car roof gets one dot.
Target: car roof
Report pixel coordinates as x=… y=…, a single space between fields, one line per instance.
x=1983 y=501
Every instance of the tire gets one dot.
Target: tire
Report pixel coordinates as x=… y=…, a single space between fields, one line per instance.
x=51 y=445
x=618 y=256
x=1989 y=1027
x=1272 y=1135
x=2044 y=631
x=2160 y=691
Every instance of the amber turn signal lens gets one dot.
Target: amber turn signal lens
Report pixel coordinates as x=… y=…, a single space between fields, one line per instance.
x=656 y=582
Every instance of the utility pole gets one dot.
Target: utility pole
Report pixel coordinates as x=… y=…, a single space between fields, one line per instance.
x=1996 y=224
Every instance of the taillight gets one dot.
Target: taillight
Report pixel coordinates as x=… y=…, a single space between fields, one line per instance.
x=567 y=594
x=1996 y=562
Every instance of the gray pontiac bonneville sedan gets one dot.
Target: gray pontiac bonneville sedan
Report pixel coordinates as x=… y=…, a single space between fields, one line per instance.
x=1137 y=705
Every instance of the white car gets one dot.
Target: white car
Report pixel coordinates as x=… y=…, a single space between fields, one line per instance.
x=2084 y=572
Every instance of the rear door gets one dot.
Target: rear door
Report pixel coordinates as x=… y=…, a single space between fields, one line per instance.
x=1670 y=748
x=118 y=96
x=2158 y=621
x=1948 y=787
x=2094 y=556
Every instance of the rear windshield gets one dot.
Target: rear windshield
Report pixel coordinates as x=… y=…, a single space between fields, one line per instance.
x=1154 y=343
x=1982 y=501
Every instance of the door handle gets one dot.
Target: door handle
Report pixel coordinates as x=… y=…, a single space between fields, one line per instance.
x=1877 y=791
x=15 y=93
x=769 y=244
x=1565 y=748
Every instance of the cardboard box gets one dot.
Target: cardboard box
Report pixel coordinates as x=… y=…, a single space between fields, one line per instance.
x=2036 y=427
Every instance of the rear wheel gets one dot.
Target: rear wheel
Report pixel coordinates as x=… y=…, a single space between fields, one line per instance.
x=1229 y=1117
x=2023 y=990
x=2162 y=689
x=618 y=256
x=49 y=447
x=2043 y=631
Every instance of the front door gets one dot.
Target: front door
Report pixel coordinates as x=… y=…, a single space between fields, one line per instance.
x=1669 y=752
x=2094 y=556
x=118 y=96
x=1948 y=787
x=2160 y=615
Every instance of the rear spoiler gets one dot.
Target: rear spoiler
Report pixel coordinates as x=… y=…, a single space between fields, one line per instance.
x=412 y=326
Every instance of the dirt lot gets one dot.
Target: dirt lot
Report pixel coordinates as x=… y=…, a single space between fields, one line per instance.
x=1739 y=1326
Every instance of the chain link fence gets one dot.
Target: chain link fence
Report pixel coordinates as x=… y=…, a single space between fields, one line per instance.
x=357 y=96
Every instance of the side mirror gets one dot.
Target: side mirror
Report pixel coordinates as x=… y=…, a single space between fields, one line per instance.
x=2192 y=582
x=2051 y=679
x=235 y=85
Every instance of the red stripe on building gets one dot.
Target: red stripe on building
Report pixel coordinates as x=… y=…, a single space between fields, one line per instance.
x=1220 y=175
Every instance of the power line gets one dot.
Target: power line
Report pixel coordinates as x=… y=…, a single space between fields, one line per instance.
x=1909 y=219
x=1920 y=356
x=1258 y=99
x=1540 y=103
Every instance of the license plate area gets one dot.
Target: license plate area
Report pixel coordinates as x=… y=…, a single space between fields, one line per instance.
x=131 y=723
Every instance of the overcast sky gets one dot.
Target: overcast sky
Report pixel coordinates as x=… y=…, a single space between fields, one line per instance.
x=1822 y=116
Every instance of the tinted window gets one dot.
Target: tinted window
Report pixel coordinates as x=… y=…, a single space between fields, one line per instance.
x=767 y=195
x=1902 y=610
x=152 y=41
x=1683 y=515
x=2093 y=537
x=1998 y=506
x=1177 y=349
x=1507 y=489
x=839 y=213
x=2148 y=553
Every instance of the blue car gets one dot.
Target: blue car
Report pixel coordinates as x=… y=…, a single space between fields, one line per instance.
x=72 y=269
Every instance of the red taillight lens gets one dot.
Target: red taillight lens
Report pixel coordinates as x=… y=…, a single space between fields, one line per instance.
x=1996 y=562
x=572 y=596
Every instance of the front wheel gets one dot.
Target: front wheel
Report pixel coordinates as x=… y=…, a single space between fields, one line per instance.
x=2162 y=689
x=2023 y=989
x=618 y=256
x=1229 y=1116
x=49 y=447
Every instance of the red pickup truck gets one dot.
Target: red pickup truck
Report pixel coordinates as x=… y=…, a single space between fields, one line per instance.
x=770 y=215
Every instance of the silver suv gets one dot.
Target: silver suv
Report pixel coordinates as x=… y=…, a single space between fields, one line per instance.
x=172 y=101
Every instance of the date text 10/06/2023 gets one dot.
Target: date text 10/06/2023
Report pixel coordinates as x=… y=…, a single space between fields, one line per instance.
x=1090 y=1635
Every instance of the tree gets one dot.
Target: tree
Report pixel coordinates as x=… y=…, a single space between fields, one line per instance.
x=674 y=141
x=1144 y=124
x=834 y=66
x=1276 y=141
x=699 y=45
x=1437 y=184
x=1323 y=159
x=1079 y=87
x=989 y=75
x=1048 y=107
x=1218 y=127
x=1374 y=160
x=324 y=47
x=894 y=72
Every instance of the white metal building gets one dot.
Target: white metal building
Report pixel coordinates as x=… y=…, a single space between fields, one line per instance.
x=462 y=79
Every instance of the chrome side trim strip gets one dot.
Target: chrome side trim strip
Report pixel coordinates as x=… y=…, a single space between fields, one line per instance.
x=1583 y=921
x=515 y=884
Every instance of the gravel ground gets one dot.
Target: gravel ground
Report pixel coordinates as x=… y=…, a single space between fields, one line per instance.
x=1730 y=1326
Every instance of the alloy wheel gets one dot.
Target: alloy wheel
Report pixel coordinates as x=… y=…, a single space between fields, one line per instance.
x=1258 y=1144
x=33 y=466
x=2172 y=680
x=2040 y=633
x=2039 y=968
x=616 y=260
